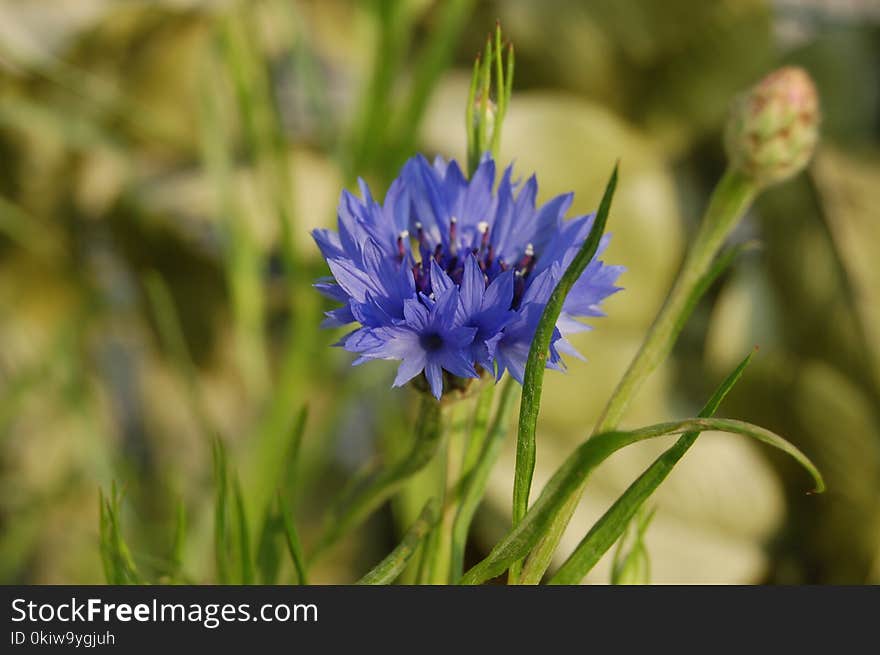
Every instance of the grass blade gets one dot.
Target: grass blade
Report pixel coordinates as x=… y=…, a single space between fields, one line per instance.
x=535 y=365
x=387 y=571
x=179 y=543
x=293 y=543
x=119 y=567
x=613 y=523
x=575 y=470
x=221 y=536
x=268 y=556
x=243 y=533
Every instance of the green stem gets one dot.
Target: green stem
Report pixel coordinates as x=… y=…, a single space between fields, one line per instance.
x=390 y=568
x=441 y=556
x=479 y=429
x=369 y=493
x=731 y=198
x=729 y=201
x=475 y=478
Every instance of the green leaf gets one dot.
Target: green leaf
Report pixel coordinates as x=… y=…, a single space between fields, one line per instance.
x=613 y=523
x=119 y=567
x=268 y=560
x=677 y=309
x=179 y=543
x=221 y=536
x=368 y=493
x=294 y=546
x=268 y=554
x=296 y=437
x=387 y=571
x=633 y=568
x=470 y=121
x=536 y=363
x=574 y=471
x=243 y=540
x=104 y=540
x=474 y=483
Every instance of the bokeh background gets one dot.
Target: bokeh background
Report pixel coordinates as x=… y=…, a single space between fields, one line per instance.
x=161 y=163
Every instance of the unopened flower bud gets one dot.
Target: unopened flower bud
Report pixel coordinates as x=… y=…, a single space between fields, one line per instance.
x=773 y=128
x=491 y=111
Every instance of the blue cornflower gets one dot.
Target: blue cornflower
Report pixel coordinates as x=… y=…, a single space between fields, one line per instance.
x=450 y=274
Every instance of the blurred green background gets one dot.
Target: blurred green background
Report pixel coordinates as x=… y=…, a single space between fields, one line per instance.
x=161 y=163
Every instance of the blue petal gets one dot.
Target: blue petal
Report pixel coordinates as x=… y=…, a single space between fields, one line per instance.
x=440 y=281
x=410 y=367
x=415 y=313
x=473 y=286
x=434 y=375
x=328 y=243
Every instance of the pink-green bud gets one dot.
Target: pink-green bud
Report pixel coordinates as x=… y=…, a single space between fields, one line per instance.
x=773 y=128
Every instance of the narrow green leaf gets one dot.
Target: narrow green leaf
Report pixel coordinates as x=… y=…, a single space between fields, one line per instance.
x=501 y=100
x=485 y=86
x=370 y=492
x=179 y=543
x=574 y=471
x=268 y=556
x=243 y=535
x=474 y=484
x=613 y=523
x=508 y=79
x=660 y=340
x=634 y=567
x=473 y=148
x=536 y=363
x=104 y=540
x=387 y=571
x=221 y=536
x=427 y=557
x=119 y=567
x=296 y=437
x=294 y=546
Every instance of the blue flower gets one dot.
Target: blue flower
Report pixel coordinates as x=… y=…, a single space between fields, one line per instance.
x=450 y=274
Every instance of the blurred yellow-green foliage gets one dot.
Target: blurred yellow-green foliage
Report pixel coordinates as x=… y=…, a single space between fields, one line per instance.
x=162 y=162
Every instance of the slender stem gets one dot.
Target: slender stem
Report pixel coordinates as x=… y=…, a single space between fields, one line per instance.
x=390 y=568
x=479 y=429
x=475 y=478
x=731 y=198
x=729 y=201
x=456 y=423
x=369 y=493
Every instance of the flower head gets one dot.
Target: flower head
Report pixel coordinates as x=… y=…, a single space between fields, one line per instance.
x=450 y=274
x=773 y=129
